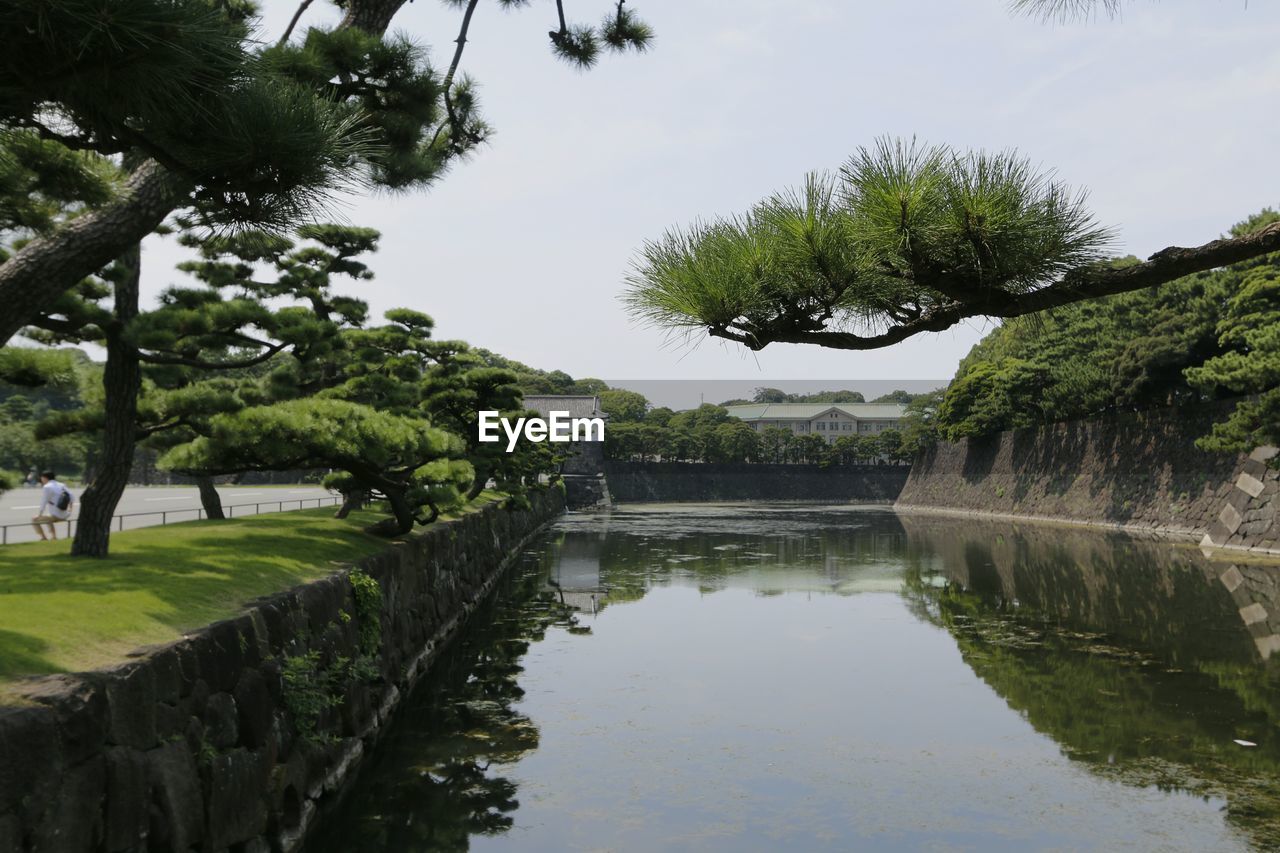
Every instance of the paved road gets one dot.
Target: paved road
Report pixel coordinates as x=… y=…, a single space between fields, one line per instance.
x=179 y=503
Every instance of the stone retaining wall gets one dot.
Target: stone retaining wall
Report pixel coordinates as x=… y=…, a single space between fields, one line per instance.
x=1250 y=515
x=1139 y=470
x=697 y=481
x=236 y=737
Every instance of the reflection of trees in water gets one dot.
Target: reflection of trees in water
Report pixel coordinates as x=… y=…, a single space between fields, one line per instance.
x=1130 y=655
x=430 y=786
x=1142 y=593
x=631 y=563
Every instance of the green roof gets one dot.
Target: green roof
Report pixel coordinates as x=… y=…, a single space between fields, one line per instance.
x=806 y=411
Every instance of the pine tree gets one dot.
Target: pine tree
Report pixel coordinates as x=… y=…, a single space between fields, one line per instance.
x=227 y=131
x=1249 y=332
x=415 y=466
x=170 y=370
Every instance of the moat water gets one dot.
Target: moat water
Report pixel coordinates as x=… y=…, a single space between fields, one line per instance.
x=768 y=677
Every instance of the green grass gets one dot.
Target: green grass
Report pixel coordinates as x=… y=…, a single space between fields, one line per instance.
x=64 y=614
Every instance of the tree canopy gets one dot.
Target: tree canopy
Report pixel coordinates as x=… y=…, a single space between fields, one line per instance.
x=1207 y=336
x=219 y=124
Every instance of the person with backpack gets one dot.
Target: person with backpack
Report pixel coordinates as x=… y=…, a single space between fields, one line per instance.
x=56 y=501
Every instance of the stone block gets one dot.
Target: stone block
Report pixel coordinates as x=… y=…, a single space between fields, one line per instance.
x=29 y=757
x=1231 y=578
x=73 y=821
x=79 y=705
x=237 y=804
x=1264 y=453
x=177 y=819
x=247 y=641
x=272 y=676
x=1230 y=518
x=257 y=845
x=1255 y=468
x=1250 y=485
x=261 y=634
x=1253 y=613
x=171 y=722
x=199 y=698
x=356 y=710
x=188 y=655
x=322 y=600
x=275 y=621
x=193 y=735
x=131 y=706
x=253 y=701
x=128 y=788
x=221 y=649
x=222 y=721
x=1268 y=645
x=1239 y=499
x=10 y=833
x=167 y=669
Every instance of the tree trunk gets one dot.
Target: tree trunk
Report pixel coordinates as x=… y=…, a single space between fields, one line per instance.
x=351 y=501
x=372 y=16
x=210 y=498
x=35 y=276
x=121 y=380
x=402 y=520
x=477 y=485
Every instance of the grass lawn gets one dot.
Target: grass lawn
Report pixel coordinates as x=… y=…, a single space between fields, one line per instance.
x=59 y=614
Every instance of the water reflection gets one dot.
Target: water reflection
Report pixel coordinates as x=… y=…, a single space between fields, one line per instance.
x=767 y=549
x=432 y=785
x=1131 y=655
x=1142 y=662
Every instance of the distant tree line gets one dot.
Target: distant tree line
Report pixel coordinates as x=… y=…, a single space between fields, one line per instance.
x=776 y=395
x=709 y=433
x=22 y=410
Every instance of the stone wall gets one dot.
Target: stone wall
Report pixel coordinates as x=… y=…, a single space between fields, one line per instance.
x=694 y=481
x=236 y=737
x=1139 y=470
x=1250 y=515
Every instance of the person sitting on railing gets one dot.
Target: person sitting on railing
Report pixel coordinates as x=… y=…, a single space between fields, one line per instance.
x=55 y=505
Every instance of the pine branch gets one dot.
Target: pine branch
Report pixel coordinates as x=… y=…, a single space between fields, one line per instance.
x=75 y=143
x=457 y=130
x=288 y=31
x=1079 y=284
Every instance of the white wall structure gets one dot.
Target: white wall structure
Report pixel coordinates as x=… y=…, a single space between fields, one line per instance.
x=829 y=420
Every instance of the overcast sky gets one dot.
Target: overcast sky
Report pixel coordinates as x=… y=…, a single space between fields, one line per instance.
x=1167 y=116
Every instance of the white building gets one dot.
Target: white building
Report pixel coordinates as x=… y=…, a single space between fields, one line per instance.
x=829 y=420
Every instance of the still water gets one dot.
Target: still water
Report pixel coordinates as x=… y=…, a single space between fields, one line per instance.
x=768 y=677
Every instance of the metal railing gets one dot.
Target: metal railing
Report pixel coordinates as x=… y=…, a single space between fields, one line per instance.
x=118 y=520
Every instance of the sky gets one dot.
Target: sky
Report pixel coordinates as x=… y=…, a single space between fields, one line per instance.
x=1166 y=116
